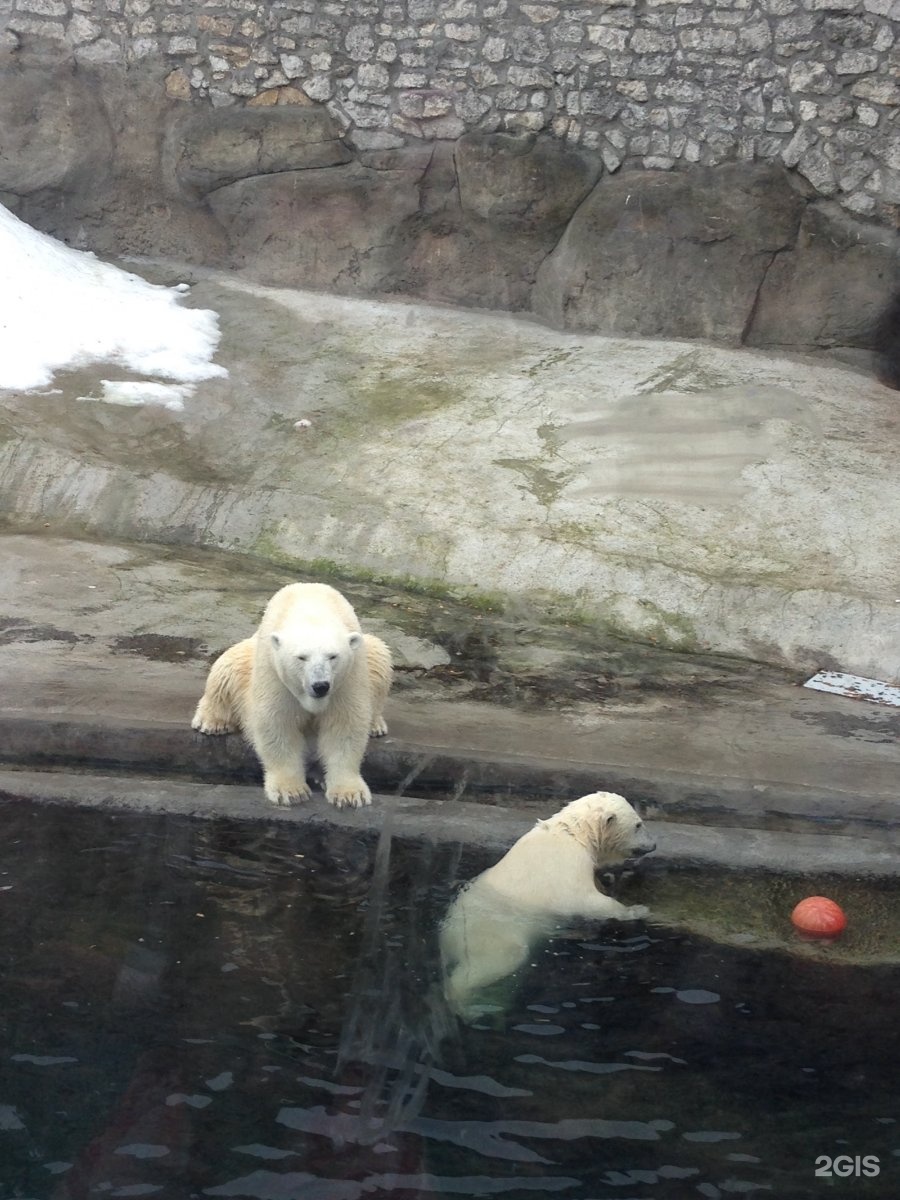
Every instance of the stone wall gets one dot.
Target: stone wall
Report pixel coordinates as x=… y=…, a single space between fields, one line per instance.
x=810 y=84
x=127 y=145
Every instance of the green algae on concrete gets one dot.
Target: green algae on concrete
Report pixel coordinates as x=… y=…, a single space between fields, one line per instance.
x=754 y=909
x=340 y=574
x=646 y=621
x=392 y=398
x=551 y=359
x=685 y=372
x=542 y=482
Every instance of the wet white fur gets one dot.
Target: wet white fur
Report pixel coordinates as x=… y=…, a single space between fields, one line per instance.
x=262 y=686
x=546 y=877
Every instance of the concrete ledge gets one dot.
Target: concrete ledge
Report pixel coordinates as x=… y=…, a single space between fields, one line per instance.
x=491 y=827
x=535 y=782
x=535 y=785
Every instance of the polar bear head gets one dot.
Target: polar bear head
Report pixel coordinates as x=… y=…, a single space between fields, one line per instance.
x=312 y=658
x=606 y=825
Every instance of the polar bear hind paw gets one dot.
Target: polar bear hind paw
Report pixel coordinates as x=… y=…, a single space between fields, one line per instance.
x=636 y=912
x=349 y=793
x=284 y=790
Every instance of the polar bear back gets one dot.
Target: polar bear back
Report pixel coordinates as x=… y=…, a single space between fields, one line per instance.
x=546 y=870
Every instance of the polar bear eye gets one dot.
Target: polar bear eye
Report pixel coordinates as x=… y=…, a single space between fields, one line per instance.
x=332 y=657
x=303 y=657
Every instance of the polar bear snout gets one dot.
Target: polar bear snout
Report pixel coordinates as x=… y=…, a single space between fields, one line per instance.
x=320 y=688
x=640 y=850
x=640 y=842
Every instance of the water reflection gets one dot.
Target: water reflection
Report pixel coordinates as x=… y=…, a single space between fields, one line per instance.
x=321 y=1063
x=396 y=1020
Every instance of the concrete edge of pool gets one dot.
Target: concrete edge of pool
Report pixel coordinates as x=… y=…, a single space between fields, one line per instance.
x=489 y=826
x=739 y=767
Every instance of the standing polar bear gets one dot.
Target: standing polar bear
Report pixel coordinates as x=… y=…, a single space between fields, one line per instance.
x=545 y=878
x=307 y=682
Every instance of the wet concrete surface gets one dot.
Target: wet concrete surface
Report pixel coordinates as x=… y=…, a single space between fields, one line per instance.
x=104 y=650
x=707 y=498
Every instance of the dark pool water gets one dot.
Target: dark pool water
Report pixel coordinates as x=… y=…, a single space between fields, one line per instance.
x=196 y=1009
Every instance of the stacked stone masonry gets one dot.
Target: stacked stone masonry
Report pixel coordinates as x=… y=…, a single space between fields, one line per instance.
x=811 y=84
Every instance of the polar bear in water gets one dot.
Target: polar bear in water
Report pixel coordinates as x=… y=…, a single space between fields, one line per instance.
x=546 y=877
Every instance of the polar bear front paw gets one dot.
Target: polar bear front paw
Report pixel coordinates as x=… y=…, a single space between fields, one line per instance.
x=349 y=793
x=379 y=727
x=284 y=790
x=212 y=724
x=213 y=728
x=636 y=912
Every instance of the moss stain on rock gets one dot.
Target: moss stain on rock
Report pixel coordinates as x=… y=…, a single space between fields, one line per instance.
x=328 y=570
x=684 y=373
x=539 y=480
x=670 y=629
x=551 y=359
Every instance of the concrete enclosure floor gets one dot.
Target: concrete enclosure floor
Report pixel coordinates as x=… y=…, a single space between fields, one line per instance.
x=104 y=650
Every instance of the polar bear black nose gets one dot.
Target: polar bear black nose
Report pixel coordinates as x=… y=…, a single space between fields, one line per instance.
x=321 y=688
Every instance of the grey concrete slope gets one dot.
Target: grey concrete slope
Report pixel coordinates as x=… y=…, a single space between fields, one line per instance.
x=700 y=497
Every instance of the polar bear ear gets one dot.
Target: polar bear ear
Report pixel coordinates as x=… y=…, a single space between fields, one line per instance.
x=276 y=640
x=355 y=640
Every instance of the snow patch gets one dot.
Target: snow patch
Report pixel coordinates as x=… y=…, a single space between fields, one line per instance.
x=132 y=394
x=62 y=308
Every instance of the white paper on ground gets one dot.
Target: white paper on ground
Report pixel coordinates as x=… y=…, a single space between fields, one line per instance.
x=857 y=687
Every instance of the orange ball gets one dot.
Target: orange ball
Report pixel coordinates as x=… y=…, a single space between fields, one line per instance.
x=819 y=916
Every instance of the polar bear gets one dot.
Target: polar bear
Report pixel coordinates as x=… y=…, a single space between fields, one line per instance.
x=309 y=681
x=544 y=879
